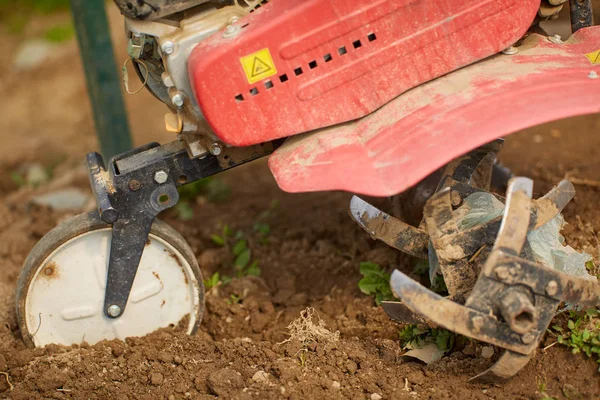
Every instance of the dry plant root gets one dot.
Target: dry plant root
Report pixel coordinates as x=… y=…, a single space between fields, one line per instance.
x=10 y=385
x=306 y=331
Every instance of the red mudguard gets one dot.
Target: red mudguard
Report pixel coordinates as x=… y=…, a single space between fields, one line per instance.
x=394 y=148
x=298 y=65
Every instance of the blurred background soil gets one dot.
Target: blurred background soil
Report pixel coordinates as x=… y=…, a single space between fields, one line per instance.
x=311 y=259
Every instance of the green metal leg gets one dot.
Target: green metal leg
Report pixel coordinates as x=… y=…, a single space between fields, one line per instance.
x=102 y=76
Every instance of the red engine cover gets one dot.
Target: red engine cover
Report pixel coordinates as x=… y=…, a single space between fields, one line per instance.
x=296 y=66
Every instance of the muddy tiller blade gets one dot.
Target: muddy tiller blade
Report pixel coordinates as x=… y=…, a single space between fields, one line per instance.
x=498 y=293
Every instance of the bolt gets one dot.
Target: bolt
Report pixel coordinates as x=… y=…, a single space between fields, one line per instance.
x=215 y=149
x=455 y=198
x=231 y=30
x=551 y=288
x=168 y=47
x=556 y=39
x=160 y=177
x=134 y=185
x=527 y=338
x=593 y=75
x=177 y=100
x=477 y=322
x=114 y=310
x=510 y=50
x=502 y=273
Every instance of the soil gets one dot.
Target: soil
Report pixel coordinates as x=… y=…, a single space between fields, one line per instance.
x=310 y=260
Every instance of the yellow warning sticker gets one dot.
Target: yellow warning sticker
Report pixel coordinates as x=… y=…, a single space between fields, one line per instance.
x=258 y=65
x=594 y=57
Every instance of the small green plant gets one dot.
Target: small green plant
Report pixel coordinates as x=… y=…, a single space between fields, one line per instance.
x=593 y=269
x=414 y=337
x=234 y=299
x=242 y=255
x=582 y=333
x=18 y=179
x=438 y=286
x=375 y=282
x=222 y=238
x=60 y=33
x=213 y=281
x=184 y=211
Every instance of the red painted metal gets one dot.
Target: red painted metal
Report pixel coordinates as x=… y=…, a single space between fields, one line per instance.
x=394 y=148
x=390 y=46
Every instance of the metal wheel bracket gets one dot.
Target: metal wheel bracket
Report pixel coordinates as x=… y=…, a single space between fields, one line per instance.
x=135 y=188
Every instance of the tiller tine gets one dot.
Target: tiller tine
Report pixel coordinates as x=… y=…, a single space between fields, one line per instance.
x=390 y=230
x=513 y=299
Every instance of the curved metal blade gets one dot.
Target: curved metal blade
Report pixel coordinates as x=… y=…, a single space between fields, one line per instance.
x=507 y=366
x=460 y=319
x=553 y=202
x=390 y=230
x=399 y=312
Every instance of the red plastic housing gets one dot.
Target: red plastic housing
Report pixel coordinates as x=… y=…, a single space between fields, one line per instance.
x=338 y=60
x=395 y=147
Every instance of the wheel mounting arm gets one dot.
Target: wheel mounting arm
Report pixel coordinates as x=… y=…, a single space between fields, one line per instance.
x=135 y=188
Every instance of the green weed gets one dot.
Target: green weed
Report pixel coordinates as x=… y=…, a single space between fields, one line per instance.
x=60 y=33
x=375 y=282
x=241 y=253
x=216 y=280
x=582 y=333
x=413 y=337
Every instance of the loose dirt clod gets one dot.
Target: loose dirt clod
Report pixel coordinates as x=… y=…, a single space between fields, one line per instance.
x=306 y=331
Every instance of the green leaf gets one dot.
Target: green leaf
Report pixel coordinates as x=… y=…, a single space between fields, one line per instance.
x=571 y=324
x=225 y=279
x=18 y=179
x=586 y=334
x=262 y=228
x=242 y=260
x=589 y=265
x=218 y=240
x=253 y=269
x=212 y=281
x=227 y=232
x=184 y=211
x=239 y=247
x=60 y=33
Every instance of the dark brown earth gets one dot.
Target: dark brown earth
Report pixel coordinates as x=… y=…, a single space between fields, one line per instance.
x=311 y=259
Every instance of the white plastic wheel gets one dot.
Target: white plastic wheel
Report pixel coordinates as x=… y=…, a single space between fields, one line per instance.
x=60 y=293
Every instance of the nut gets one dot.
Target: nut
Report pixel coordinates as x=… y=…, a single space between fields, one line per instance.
x=527 y=338
x=231 y=30
x=114 y=310
x=593 y=75
x=178 y=100
x=160 y=177
x=551 y=288
x=134 y=185
x=556 y=39
x=510 y=50
x=502 y=272
x=168 y=47
x=477 y=322
x=215 y=149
